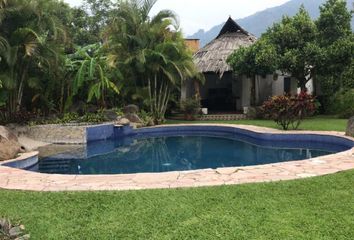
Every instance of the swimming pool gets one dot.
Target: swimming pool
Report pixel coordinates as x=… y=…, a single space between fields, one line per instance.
x=182 y=148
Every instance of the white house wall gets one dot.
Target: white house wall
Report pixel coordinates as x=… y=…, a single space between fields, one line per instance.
x=246 y=92
x=264 y=88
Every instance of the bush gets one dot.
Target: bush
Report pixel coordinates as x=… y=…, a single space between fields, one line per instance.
x=20 y=117
x=73 y=117
x=289 y=110
x=255 y=113
x=342 y=103
x=190 y=107
x=146 y=118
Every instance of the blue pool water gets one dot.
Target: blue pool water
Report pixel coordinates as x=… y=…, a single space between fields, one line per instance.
x=179 y=152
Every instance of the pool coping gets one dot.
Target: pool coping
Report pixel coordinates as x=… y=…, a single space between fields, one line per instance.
x=17 y=179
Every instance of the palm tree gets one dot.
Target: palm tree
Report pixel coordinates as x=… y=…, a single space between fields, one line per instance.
x=150 y=51
x=26 y=34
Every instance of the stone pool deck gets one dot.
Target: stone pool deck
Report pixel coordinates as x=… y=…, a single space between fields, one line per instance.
x=12 y=178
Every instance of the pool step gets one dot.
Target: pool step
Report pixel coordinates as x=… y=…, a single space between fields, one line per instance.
x=54 y=166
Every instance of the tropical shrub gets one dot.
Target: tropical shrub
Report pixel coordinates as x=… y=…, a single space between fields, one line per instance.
x=287 y=110
x=190 y=107
x=342 y=104
x=93 y=117
x=146 y=118
x=255 y=113
x=72 y=117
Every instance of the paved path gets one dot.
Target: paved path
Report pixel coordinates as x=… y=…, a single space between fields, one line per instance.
x=12 y=178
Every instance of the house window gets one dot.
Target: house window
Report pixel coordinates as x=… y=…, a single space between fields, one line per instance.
x=287 y=85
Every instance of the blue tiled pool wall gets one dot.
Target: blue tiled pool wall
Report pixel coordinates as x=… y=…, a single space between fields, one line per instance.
x=267 y=139
x=122 y=131
x=109 y=132
x=100 y=132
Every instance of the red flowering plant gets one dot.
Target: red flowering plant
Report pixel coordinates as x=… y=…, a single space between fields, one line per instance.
x=287 y=110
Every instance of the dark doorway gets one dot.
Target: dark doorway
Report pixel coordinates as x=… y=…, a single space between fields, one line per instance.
x=220 y=99
x=287 y=85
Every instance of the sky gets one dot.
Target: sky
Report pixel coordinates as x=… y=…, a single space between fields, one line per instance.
x=204 y=14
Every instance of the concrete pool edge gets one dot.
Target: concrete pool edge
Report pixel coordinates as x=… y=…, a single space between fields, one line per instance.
x=17 y=179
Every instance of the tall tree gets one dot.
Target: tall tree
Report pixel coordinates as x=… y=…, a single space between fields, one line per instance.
x=336 y=40
x=288 y=46
x=294 y=39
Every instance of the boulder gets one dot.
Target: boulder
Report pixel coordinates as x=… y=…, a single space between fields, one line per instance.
x=9 y=145
x=131 y=109
x=123 y=121
x=350 y=127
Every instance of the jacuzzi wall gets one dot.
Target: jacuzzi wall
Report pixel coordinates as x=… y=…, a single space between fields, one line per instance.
x=71 y=134
x=25 y=161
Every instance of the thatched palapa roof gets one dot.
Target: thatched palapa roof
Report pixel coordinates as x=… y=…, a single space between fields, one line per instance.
x=212 y=57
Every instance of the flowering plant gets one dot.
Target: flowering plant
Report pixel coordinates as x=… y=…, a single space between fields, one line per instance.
x=287 y=110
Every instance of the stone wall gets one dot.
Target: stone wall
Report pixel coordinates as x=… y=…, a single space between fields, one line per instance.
x=350 y=127
x=70 y=134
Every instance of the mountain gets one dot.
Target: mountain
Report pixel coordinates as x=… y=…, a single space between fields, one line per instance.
x=260 y=21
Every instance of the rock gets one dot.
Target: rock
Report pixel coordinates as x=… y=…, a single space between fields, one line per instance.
x=15 y=232
x=132 y=117
x=110 y=115
x=350 y=127
x=131 y=109
x=136 y=125
x=6 y=133
x=18 y=130
x=9 y=145
x=123 y=121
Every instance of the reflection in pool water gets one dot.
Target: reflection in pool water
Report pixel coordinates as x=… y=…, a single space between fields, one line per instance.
x=178 y=153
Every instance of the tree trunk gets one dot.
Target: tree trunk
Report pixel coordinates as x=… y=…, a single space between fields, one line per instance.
x=302 y=84
x=155 y=92
x=253 y=90
x=62 y=93
x=160 y=102
x=150 y=97
x=21 y=88
x=167 y=98
x=197 y=89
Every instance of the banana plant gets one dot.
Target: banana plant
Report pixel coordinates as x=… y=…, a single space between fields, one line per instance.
x=94 y=72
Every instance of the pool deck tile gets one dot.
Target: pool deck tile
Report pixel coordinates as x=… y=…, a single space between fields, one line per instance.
x=16 y=179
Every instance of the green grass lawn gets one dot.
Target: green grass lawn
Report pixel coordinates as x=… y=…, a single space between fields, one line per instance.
x=320 y=123
x=317 y=208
